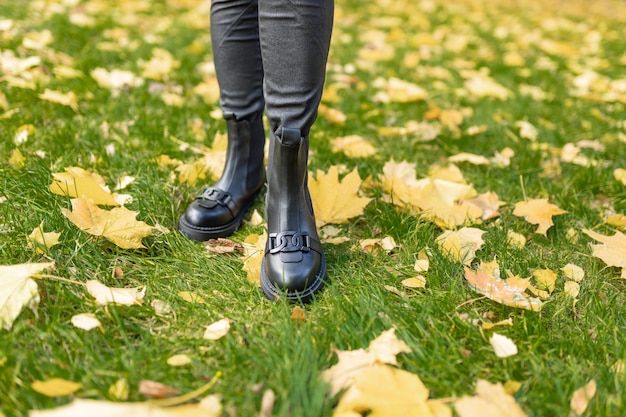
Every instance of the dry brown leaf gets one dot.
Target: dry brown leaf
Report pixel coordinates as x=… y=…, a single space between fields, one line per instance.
x=539 y=212
x=491 y=400
x=223 y=245
x=18 y=290
x=336 y=201
x=118 y=225
x=383 y=349
x=612 y=251
x=108 y=295
x=298 y=314
x=486 y=280
x=154 y=389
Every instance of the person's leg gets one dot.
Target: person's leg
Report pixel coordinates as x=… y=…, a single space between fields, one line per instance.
x=295 y=38
x=218 y=210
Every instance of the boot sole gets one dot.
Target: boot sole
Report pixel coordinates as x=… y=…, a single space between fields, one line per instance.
x=203 y=234
x=273 y=293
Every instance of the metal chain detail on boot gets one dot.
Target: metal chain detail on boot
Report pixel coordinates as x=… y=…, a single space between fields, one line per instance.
x=289 y=241
x=210 y=197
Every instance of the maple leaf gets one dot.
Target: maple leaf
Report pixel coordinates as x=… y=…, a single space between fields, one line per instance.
x=491 y=400
x=538 y=211
x=121 y=296
x=77 y=182
x=461 y=245
x=39 y=239
x=486 y=280
x=384 y=391
x=18 y=290
x=336 y=201
x=383 y=349
x=612 y=251
x=118 y=225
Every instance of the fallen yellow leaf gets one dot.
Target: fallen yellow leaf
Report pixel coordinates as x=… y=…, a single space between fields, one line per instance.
x=354 y=146
x=76 y=182
x=56 y=387
x=336 y=201
x=384 y=391
x=491 y=400
x=217 y=330
x=383 y=349
x=40 y=239
x=67 y=99
x=612 y=251
x=580 y=399
x=486 y=280
x=18 y=290
x=461 y=245
x=85 y=321
x=17 y=160
x=538 y=211
x=107 y=295
x=191 y=297
x=546 y=279
x=118 y=225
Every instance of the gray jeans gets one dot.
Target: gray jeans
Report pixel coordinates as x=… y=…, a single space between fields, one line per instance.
x=272 y=54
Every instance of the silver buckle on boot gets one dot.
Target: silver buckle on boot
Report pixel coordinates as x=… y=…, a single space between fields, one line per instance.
x=289 y=241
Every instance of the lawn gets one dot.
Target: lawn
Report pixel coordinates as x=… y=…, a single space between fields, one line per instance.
x=434 y=103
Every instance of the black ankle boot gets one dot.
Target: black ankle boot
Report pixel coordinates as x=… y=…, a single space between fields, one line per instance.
x=294 y=265
x=218 y=210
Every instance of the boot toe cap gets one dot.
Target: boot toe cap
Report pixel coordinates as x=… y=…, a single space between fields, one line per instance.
x=293 y=277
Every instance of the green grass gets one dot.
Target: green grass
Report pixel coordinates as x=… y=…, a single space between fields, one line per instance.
x=561 y=348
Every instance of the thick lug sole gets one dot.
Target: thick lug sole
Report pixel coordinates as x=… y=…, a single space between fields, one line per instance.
x=305 y=296
x=203 y=234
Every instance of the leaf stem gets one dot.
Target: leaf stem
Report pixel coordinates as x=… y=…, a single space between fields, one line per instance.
x=168 y=402
x=56 y=278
